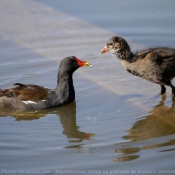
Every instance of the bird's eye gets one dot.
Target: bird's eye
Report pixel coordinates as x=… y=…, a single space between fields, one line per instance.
x=70 y=62
x=110 y=44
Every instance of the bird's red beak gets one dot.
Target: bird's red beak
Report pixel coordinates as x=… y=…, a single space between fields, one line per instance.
x=82 y=63
x=88 y=136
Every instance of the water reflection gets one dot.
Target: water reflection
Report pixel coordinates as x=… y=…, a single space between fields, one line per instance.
x=67 y=115
x=160 y=122
x=68 y=120
x=126 y=158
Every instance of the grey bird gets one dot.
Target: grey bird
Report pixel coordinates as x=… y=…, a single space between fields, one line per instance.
x=30 y=96
x=156 y=64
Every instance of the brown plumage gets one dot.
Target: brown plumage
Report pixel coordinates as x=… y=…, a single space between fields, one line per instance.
x=29 y=96
x=26 y=92
x=156 y=65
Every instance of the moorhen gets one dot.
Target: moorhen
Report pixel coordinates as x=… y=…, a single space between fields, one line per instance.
x=29 y=96
x=156 y=65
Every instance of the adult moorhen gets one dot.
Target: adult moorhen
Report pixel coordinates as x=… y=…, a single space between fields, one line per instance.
x=29 y=96
x=154 y=64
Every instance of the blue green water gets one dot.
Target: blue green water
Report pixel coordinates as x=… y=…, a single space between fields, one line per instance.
x=118 y=123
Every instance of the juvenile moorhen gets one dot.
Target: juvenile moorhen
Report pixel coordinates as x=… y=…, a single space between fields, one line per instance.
x=154 y=64
x=29 y=96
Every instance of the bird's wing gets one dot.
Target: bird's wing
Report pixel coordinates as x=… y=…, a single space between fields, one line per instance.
x=26 y=92
x=164 y=56
x=157 y=55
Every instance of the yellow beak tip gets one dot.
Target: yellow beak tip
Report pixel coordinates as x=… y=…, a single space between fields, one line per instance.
x=87 y=64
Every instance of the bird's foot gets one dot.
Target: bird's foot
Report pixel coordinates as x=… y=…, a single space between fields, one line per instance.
x=173 y=100
x=162 y=93
x=173 y=96
x=163 y=96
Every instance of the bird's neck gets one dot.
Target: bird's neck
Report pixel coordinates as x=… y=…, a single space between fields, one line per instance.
x=124 y=54
x=65 y=92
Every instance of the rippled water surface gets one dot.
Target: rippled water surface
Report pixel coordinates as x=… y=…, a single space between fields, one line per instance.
x=119 y=123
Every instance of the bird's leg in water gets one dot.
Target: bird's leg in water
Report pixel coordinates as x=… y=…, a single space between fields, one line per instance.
x=163 y=89
x=173 y=91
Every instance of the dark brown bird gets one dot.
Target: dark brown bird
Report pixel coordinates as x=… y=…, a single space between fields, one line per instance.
x=29 y=96
x=156 y=65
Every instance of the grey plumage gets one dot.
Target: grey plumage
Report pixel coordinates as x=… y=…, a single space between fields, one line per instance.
x=156 y=65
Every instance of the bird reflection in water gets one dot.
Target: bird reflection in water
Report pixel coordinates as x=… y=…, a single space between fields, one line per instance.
x=67 y=116
x=159 y=123
x=68 y=120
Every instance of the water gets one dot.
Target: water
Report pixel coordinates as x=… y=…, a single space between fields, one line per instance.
x=118 y=123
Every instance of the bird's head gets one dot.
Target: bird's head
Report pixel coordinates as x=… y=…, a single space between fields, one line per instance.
x=115 y=44
x=72 y=63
